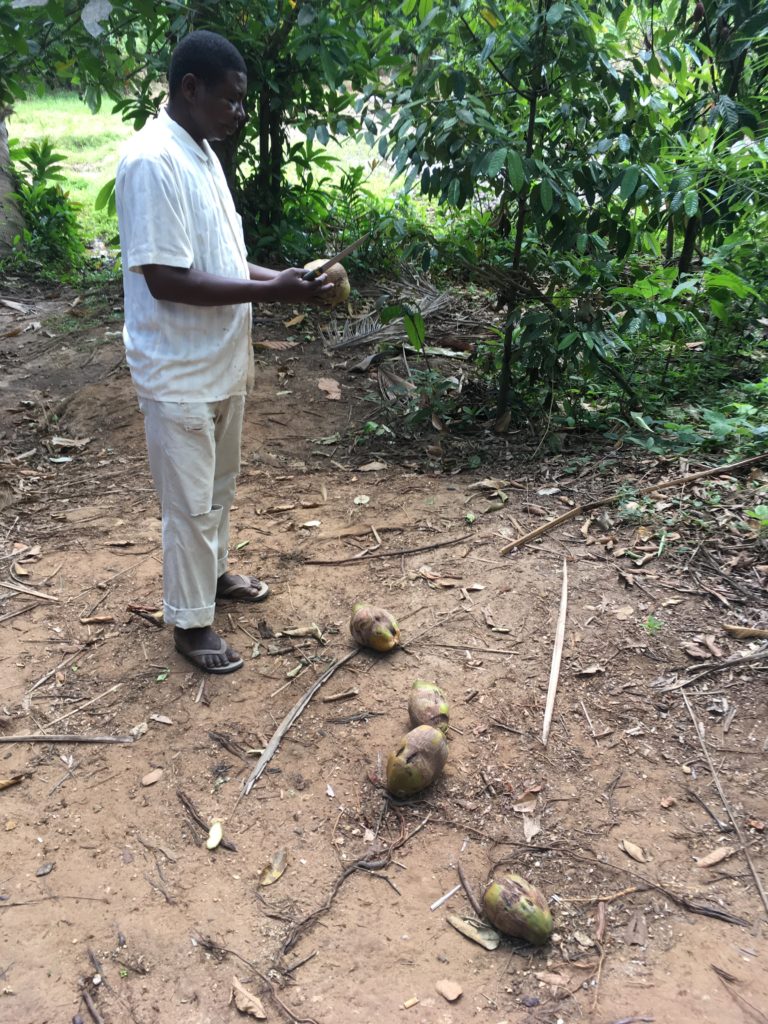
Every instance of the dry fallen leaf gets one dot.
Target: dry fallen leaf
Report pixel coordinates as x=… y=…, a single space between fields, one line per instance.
x=152 y=777
x=275 y=869
x=372 y=467
x=625 y=612
x=634 y=851
x=295 y=320
x=330 y=387
x=710 y=859
x=531 y=827
x=246 y=1002
x=696 y=651
x=275 y=346
x=590 y=670
x=475 y=930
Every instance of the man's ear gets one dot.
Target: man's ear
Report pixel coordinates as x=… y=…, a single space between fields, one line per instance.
x=189 y=87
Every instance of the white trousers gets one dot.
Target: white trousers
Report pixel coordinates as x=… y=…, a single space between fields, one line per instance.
x=194 y=458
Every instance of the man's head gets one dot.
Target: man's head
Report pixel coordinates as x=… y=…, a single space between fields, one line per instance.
x=207 y=85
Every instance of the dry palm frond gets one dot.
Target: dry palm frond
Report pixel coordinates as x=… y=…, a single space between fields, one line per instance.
x=419 y=293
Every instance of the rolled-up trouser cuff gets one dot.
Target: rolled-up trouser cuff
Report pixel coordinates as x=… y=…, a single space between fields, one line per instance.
x=188 y=618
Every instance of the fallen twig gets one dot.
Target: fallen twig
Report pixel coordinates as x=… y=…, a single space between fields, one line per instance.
x=744 y=632
x=720 y=666
x=388 y=554
x=19 y=588
x=38 y=738
x=716 y=779
x=678 y=481
x=557 y=654
x=705 y=909
x=473 y=901
x=470 y=647
x=95 y=1015
x=83 y=706
x=728 y=980
x=48 y=675
x=288 y=721
x=199 y=820
x=214 y=948
x=362 y=864
x=20 y=611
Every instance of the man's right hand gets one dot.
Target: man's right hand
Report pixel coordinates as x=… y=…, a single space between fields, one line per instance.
x=290 y=286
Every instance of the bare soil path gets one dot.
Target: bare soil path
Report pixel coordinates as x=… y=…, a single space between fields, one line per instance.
x=112 y=909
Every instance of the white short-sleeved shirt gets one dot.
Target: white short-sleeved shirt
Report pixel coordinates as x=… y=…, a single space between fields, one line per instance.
x=174 y=208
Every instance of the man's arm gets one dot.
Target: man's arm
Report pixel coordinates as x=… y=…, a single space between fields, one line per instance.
x=198 y=288
x=261 y=273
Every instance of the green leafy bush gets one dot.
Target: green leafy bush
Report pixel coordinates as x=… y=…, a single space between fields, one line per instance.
x=51 y=240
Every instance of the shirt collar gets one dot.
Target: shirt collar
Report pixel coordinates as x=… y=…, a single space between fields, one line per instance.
x=182 y=136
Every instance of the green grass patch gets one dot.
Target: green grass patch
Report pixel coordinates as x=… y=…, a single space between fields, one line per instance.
x=89 y=142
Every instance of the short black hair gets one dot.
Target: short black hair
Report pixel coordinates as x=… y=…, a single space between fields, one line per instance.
x=206 y=55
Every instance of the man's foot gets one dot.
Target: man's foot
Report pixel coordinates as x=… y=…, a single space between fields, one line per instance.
x=206 y=650
x=234 y=587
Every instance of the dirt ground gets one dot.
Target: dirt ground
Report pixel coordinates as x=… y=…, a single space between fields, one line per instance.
x=112 y=907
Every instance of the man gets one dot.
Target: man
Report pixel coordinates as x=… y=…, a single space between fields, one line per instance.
x=188 y=294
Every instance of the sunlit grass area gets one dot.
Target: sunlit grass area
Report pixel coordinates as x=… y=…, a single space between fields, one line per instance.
x=89 y=142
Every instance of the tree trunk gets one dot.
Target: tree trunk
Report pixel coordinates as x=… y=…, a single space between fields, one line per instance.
x=11 y=221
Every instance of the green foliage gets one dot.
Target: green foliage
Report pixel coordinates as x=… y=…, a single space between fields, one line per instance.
x=51 y=240
x=599 y=168
x=600 y=147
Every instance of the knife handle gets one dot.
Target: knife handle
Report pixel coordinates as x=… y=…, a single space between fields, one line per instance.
x=310 y=275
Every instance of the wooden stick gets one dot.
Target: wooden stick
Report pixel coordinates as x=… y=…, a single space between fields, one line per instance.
x=740 y=631
x=588 y=506
x=44 y=679
x=758 y=655
x=713 y=771
x=12 y=615
x=468 y=647
x=20 y=589
x=388 y=554
x=287 y=722
x=473 y=900
x=39 y=738
x=557 y=653
x=83 y=706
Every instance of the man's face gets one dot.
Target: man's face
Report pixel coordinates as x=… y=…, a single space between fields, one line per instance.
x=217 y=111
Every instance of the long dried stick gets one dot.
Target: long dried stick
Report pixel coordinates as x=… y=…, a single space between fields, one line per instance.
x=716 y=779
x=388 y=554
x=557 y=654
x=66 y=739
x=590 y=505
x=19 y=588
x=83 y=706
x=288 y=721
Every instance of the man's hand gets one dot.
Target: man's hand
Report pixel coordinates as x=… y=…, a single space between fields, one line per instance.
x=197 y=288
x=290 y=286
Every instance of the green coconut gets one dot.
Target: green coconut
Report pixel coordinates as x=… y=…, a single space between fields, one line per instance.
x=337 y=276
x=517 y=908
x=416 y=762
x=428 y=705
x=373 y=627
